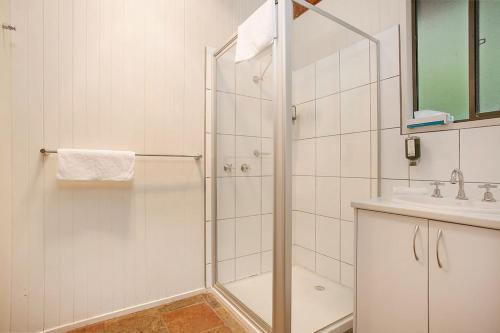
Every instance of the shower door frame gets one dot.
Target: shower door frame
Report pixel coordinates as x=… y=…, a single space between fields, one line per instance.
x=282 y=138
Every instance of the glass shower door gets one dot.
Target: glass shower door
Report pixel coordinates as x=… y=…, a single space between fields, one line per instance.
x=334 y=89
x=243 y=156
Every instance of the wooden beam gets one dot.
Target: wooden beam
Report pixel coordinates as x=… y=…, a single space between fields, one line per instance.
x=299 y=10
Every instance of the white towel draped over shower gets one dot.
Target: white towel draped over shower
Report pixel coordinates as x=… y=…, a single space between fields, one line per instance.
x=257 y=32
x=96 y=165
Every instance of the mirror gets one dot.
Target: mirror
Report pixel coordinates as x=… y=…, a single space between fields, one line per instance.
x=456 y=52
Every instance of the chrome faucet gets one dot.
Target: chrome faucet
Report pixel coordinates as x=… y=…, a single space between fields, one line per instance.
x=457 y=175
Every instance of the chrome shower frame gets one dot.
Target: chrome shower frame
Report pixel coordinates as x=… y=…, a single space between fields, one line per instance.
x=283 y=126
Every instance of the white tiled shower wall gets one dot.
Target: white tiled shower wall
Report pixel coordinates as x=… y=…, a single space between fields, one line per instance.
x=474 y=150
x=334 y=157
x=244 y=126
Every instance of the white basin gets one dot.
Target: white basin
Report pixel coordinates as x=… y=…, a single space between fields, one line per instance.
x=466 y=206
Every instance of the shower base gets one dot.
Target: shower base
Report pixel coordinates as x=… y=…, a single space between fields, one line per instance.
x=317 y=303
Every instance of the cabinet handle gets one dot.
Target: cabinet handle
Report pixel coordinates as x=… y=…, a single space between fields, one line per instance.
x=440 y=234
x=417 y=228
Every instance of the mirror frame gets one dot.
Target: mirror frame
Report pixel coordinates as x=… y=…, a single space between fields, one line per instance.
x=409 y=79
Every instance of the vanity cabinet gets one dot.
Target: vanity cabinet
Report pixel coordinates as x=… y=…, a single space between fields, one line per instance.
x=417 y=275
x=464 y=294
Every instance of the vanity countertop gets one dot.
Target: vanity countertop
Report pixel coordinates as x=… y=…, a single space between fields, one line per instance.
x=486 y=220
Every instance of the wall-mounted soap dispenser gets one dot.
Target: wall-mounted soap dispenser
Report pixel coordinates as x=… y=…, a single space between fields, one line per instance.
x=412 y=149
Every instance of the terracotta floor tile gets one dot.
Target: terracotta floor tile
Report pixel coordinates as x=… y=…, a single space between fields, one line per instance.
x=221 y=329
x=212 y=301
x=192 y=319
x=95 y=328
x=136 y=323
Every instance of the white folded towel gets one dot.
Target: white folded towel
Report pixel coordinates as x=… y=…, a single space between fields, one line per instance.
x=257 y=32
x=82 y=164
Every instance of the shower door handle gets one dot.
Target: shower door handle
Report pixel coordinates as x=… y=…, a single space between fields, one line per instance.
x=293 y=110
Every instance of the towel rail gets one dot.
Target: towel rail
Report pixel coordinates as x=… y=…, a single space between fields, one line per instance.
x=196 y=157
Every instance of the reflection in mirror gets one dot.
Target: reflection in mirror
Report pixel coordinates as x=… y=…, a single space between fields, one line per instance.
x=456 y=48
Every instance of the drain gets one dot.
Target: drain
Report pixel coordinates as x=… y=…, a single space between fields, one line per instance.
x=319 y=288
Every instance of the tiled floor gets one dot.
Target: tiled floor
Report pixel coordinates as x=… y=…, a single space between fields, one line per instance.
x=197 y=314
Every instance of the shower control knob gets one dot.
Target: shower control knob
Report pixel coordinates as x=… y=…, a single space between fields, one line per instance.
x=228 y=167
x=245 y=167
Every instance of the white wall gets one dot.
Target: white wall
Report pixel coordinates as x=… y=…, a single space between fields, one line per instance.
x=124 y=74
x=5 y=170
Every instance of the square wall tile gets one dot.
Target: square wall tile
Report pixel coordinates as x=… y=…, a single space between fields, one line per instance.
x=356 y=155
x=226 y=72
x=225 y=197
x=480 y=154
x=267 y=157
x=328 y=267
x=245 y=148
x=267 y=83
x=304 y=258
x=448 y=190
x=267 y=195
x=328 y=75
x=245 y=85
x=328 y=236
x=226 y=106
x=328 y=115
x=226 y=152
x=267 y=261
x=389 y=52
x=226 y=271
x=355 y=110
x=248 y=237
x=248 y=115
x=347 y=242
x=355 y=65
x=328 y=196
x=267 y=118
x=347 y=275
x=328 y=156
x=267 y=232
x=304 y=157
x=305 y=233
x=353 y=189
x=303 y=196
x=248 y=196
x=305 y=124
x=388 y=185
x=303 y=84
x=392 y=148
x=390 y=103
x=247 y=266
x=225 y=239
x=440 y=155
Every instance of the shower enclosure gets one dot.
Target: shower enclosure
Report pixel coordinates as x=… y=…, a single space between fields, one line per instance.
x=294 y=140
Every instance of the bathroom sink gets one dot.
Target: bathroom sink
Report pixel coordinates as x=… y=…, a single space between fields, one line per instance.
x=466 y=206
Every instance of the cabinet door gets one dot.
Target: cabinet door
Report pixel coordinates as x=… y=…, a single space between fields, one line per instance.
x=464 y=294
x=391 y=294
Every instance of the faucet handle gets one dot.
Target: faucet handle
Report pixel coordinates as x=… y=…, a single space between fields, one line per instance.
x=488 y=196
x=437 y=191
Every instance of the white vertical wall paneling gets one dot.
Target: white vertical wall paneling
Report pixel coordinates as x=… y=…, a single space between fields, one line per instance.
x=20 y=250
x=5 y=171
x=110 y=74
